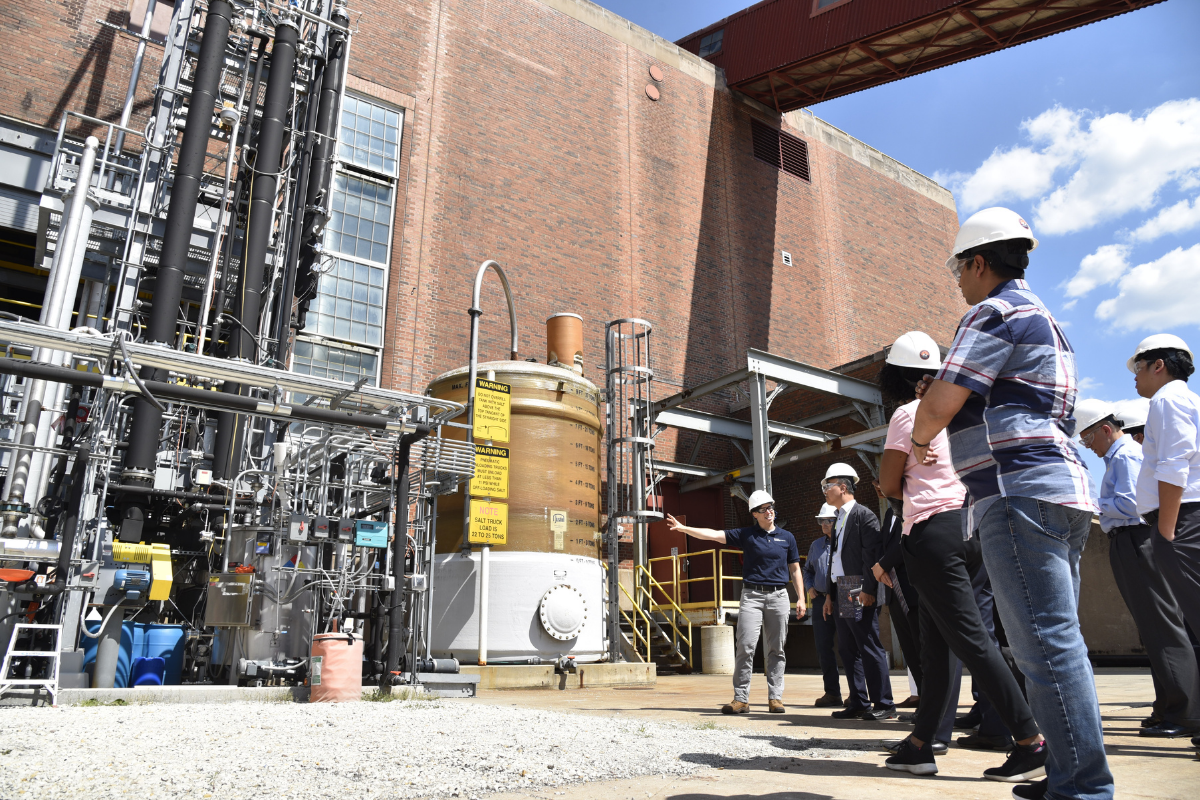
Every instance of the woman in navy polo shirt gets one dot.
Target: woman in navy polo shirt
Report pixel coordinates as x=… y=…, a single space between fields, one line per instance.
x=769 y=557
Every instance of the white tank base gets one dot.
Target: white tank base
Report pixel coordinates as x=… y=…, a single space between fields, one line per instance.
x=520 y=626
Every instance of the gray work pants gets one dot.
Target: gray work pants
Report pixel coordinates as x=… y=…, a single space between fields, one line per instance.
x=764 y=613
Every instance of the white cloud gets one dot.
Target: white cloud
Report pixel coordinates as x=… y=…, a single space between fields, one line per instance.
x=1159 y=295
x=1119 y=164
x=1089 y=384
x=1183 y=216
x=1104 y=266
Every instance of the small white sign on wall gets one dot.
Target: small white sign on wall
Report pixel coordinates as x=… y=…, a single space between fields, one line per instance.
x=787 y=258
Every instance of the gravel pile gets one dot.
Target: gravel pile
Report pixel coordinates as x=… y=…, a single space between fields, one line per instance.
x=372 y=750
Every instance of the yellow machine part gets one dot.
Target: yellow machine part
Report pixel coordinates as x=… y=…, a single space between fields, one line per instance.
x=158 y=556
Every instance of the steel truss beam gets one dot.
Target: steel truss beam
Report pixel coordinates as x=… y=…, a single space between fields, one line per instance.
x=761 y=367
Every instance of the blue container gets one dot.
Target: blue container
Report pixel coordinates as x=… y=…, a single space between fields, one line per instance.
x=165 y=642
x=147 y=671
x=130 y=639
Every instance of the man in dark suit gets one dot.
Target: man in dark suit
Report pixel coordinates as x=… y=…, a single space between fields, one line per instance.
x=857 y=547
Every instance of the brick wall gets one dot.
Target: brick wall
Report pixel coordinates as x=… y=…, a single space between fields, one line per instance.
x=529 y=138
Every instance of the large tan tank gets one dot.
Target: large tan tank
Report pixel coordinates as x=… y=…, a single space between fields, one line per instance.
x=554 y=459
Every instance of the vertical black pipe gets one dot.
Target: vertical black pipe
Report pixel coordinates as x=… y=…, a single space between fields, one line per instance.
x=283 y=302
x=238 y=188
x=396 y=635
x=264 y=181
x=316 y=200
x=177 y=236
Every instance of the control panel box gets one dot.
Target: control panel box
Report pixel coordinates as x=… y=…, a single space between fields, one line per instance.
x=370 y=534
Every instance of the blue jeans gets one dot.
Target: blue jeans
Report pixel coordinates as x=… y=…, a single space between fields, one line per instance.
x=1032 y=551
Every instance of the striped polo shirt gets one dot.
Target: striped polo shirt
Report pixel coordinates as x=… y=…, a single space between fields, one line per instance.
x=1012 y=437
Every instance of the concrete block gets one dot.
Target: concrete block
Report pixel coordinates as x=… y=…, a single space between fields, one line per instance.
x=626 y=673
x=514 y=676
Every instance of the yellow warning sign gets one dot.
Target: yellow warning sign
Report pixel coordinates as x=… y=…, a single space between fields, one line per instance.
x=491 y=472
x=489 y=523
x=492 y=410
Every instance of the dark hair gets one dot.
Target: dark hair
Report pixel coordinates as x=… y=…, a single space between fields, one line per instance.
x=848 y=483
x=898 y=385
x=1178 y=362
x=1008 y=258
x=1113 y=422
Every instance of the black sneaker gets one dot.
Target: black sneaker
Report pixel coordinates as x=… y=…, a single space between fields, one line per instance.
x=1030 y=791
x=977 y=741
x=879 y=713
x=893 y=746
x=1025 y=762
x=910 y=758
x=908 y=718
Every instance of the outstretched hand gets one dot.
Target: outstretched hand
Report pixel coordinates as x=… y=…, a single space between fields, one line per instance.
x=673 y=523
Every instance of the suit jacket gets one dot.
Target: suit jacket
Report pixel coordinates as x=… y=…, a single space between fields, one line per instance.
x=861 y=545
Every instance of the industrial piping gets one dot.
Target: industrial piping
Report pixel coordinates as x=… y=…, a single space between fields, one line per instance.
x=177 y=235
x=396 y=637
x=264 y=181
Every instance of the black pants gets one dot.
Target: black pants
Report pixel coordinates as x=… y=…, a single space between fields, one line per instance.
x=938 y=563
x=1151 y=603
x=865 y=660
x=908 y=626
x=823 y=630
x=1179 y=562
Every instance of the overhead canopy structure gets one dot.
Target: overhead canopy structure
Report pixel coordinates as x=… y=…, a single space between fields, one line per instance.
x=788 y=54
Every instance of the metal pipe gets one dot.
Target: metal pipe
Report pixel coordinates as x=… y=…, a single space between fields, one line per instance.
x=264 y=180
x=181 y=218
x=396 y=637
x=59 y=286
x=227 y=271
x=135 y=74
x=484 y=592
x=283 y=315
x=197 y=397
x=473 y=368
x=316 y=201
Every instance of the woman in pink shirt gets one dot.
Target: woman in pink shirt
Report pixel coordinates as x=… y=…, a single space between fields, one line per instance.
x=941 y=564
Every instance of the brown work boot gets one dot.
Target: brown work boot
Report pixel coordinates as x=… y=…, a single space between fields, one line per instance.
x=776 y=707
x=828 y=700
x=736 y=707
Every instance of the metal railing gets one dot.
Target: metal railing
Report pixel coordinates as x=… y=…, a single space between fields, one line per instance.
x=673 y=620
x=717 y=579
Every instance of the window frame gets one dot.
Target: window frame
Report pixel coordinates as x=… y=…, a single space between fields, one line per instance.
x=348 y=169
x=708 y=37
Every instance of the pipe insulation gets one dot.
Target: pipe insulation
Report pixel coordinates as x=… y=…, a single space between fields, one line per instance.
x=396 y=634
x=177 y=236
x=264 y=182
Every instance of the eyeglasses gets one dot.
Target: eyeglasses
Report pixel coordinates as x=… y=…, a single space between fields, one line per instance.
x=1086 y=439
x=769 y=508
x=958 y=268
x=825 y=485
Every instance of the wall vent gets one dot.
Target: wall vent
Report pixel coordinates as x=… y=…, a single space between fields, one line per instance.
x=781 y=150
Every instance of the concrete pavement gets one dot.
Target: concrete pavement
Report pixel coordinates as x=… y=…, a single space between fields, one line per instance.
x=1144 y=768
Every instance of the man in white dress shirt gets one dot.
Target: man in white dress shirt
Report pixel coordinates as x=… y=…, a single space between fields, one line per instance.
x=1168 y=484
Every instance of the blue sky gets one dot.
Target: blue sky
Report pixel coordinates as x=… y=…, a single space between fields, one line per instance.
x=1092 y=135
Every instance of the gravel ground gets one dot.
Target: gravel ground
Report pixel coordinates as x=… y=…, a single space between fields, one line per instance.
x=369 y=750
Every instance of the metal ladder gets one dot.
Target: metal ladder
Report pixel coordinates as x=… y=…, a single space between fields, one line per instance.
x=50 y=683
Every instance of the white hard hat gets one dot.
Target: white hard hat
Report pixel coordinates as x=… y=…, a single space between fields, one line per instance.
x=760 y=498
x=1089 y=412
x=841 y=470
x=827 y=512
x=1132 y=413
x=915 y=349
x=1157 y=342
x=987 y=226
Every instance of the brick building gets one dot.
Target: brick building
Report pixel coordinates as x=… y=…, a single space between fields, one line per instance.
x=609 y=171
